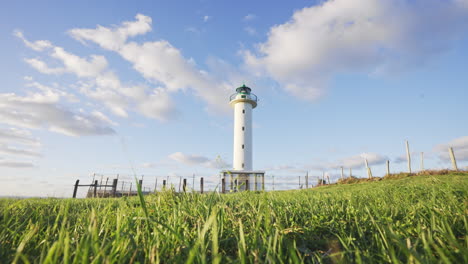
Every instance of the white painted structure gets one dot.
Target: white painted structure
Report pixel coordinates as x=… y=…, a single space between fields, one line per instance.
x=243 y=102
x=242 y=177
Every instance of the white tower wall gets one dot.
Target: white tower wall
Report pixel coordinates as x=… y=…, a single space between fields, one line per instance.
x=242 y=136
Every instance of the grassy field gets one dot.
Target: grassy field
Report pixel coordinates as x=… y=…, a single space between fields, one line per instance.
x=420 y=219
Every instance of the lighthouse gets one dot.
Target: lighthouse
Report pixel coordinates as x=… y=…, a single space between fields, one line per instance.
x=243 y=102
x=242 y=176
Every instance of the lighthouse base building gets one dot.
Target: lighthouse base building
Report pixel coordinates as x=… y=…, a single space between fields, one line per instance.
x=242 y=176
x=235 y=181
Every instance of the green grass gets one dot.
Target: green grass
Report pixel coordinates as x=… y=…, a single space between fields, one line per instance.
x=420 y=219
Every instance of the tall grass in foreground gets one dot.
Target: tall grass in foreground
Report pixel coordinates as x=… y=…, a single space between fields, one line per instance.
x=421 y=219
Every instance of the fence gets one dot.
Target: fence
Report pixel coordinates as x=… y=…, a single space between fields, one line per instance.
x=107 y=185
x=118 y=185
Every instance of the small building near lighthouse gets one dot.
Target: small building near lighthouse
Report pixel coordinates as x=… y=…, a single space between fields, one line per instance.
x=243 y=176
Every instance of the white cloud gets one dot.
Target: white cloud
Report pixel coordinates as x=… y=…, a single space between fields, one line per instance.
x=460 y=149
x=31 y=113
x=48 y=94
x=99 y=83
x=403 y=158
x=16 y=164
x=188 y=159
x=400 y=159
x=356 y=161
x=206 y=18
x=91 y=67
x=148 y=165
x=103 y=118
x=81 y=67
x=373 y=36
x=159 y=62
x=249 y=17
x=39 y=45
x=22 y=136
x=251 y=31
x=192 y=29
x=114 y=38
x=217 y=163
x=5 y=149
x=196 y=160
x=287 y=168
x=43 y=68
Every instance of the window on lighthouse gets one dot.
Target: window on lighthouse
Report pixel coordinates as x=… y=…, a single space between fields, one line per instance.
x=243 y=111
x=243 y=128
x=242 y=146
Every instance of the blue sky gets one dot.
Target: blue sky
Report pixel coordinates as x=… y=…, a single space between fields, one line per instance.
x=100 y=87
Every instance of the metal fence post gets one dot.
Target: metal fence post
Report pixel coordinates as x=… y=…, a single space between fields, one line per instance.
x=95 y=188
x=76 y=188
x=114 y=187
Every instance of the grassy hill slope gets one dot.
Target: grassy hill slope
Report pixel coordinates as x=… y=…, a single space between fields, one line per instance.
x=412 y=219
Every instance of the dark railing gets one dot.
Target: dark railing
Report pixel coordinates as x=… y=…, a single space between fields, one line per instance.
x=253 y=97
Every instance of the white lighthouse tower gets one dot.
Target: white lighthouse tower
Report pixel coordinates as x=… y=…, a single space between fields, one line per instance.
x=242 y=176
x=243 y=102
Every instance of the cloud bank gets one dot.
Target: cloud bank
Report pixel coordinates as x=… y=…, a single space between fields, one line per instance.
x=460 y=149
x=158 y=61
x=196 y=160
x=363 y=36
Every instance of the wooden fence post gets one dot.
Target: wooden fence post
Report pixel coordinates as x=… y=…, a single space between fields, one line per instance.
x=247 y=187
x=180 y=182
x=105 y=187
x=408 y=156
x=130 y=190
x=328 y=178
x=388 y=167
x=452 y=157
x=307 y=180
x=95 y=188
x=201 y=185
x=156 y=185
x=367 y=168
x=184 y=186
x=164 y=184
x=100 y=184
x=76 y=188
x=350 y=172
x=223 y=185
x=263 y=182
x=422 y=161
x=342 y=173
x=255 y=182
x=114 y=187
